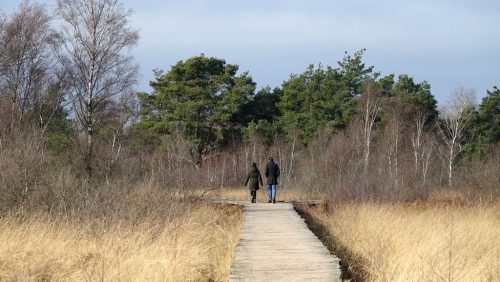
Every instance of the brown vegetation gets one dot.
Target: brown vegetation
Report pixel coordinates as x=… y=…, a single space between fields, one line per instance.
x=135 y=223
x=398 y=242
x=193 y=245
x=337 y=165
x=89 y=192
x=242 y=193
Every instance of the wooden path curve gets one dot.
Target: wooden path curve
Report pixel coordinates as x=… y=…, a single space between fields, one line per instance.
x=276 y=245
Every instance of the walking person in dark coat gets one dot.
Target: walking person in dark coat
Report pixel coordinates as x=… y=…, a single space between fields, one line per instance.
x=253 y=180
x=272 y=173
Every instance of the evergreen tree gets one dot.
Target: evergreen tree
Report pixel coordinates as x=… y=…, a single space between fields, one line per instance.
x=203 y=97
x=419 y=94
x=485 y=126
x=322 y=97
x=263 y=106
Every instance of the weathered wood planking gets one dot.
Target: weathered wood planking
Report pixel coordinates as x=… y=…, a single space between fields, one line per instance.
x=276 y=245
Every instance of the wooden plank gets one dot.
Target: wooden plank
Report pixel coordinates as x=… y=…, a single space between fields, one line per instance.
x=276 y=245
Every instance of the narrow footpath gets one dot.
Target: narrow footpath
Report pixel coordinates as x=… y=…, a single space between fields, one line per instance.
x=276 y=245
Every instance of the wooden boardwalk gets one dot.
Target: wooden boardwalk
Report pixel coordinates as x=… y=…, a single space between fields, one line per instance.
x=276 y=245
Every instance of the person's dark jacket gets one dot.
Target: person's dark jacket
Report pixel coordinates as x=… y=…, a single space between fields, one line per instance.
x=272 y=173
x=254 y=179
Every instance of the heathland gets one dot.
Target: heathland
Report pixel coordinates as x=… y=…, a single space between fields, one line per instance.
x=99 y=182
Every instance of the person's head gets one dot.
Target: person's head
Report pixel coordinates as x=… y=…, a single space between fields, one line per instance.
x=254 y=165
x=271 y=159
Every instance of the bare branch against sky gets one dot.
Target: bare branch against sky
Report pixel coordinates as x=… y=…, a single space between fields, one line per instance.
x=447 y=43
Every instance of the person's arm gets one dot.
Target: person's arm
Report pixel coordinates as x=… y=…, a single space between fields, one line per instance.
x=260 y=180
x=248 y=178
x=267 y=171
x=277 y=171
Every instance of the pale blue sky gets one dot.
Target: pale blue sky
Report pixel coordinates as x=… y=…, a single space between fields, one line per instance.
x=448 y=43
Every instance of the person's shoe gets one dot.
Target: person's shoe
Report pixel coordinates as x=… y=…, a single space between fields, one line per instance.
x=269 y=201
x=274 y=201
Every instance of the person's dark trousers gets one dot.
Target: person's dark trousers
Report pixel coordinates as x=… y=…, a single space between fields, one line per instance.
x=254 y=195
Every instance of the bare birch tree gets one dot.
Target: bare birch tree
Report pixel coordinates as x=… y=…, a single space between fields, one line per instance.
x=455 y=116
x=393 y=134
x=371 y=108
x=26 y=60
x=95 y=38
x=426 y=154
x=417 y=137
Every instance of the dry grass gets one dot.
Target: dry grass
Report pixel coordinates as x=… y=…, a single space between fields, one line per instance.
x=194 y=247
x=424 y=242
x=243 y=194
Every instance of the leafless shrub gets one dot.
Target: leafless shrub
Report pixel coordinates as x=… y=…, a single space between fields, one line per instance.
x=22 y=167
x=407 y=160
x=478 y=179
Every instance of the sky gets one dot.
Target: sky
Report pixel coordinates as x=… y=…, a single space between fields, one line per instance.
x=447 y=43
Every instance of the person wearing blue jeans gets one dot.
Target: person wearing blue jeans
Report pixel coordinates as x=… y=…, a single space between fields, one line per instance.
x=271 y=193
x=272 y=173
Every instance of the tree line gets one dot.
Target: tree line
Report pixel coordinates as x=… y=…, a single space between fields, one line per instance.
x=70 y=82
x=204 y=99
